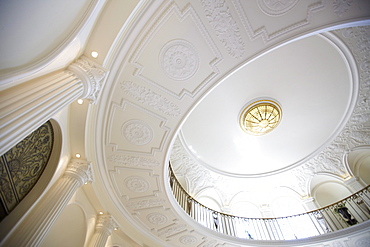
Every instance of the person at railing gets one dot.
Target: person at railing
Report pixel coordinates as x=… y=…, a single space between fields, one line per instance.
x=343 y=211
x=215 y=219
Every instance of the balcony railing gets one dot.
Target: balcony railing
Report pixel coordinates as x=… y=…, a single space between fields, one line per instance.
x=345 y=213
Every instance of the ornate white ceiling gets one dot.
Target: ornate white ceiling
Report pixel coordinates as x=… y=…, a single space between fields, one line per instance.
x=178 y=53
x=314 y=101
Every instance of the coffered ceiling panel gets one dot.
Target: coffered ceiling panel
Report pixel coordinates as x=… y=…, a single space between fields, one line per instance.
x=133 y=129
x=178 y=62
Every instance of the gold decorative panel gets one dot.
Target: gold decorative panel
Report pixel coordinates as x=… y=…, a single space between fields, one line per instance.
x=22 y=166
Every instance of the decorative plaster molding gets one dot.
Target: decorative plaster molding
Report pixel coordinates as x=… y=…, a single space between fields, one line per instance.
x=156 y=120
x=133 y=161
x=269 y=36
x=80 y=170
x=168 y=231
x=341 y=6
x=188 y=240
x=157 y=218
x=137 y=132
x=147 y=203
x=149 y=98
x=357 y=130
x=226 y=28
x=92 y=76
x=179 y=60
x=187 y=12
x=136 y=184
x=276 y=8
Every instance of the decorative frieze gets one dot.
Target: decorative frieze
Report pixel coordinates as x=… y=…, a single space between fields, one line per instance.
x=148 y=203
x=171 y=230
x=132 y=161
x=149 y=98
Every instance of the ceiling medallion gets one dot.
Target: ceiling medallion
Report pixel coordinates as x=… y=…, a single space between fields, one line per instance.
x=260 y=117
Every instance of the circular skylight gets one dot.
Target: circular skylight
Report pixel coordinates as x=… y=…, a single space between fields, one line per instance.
x=260 y=117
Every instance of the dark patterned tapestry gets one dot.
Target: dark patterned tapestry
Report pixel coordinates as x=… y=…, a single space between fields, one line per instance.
x=22 y=166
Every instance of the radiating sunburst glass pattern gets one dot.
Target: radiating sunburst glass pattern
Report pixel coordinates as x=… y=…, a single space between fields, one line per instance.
x=260 y=118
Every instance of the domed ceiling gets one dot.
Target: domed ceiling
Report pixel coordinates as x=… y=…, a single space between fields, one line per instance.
x=311 y=81
x=176 y=89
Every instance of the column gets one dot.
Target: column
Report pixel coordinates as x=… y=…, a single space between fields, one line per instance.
x=27 y=106
x=35 y=226
x=103 y=229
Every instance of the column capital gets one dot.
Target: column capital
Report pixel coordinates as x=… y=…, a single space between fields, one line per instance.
x=80 y=170
x=92 y=76
x=107 y=223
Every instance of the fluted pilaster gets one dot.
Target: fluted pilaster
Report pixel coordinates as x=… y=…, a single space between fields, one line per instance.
x=27 y=106
x=104 y=227
x=38 y=222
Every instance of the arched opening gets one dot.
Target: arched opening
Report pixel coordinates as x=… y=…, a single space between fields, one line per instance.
x=359 y=163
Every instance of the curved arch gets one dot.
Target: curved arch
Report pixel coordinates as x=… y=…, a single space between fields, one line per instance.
x=328 y=190
x=29 y=201
x=357 y=162
x=286 y=201
x=320 y=178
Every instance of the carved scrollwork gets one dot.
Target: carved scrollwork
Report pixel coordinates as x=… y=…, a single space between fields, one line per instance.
x=226 y=28
x=133 y=161
x=147 y=97
x=148 y=203
x=341 y=6
x=22 y=165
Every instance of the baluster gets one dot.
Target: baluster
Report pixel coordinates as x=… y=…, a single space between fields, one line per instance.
x=260 y=229
x=315 y=224
x=330 y=218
